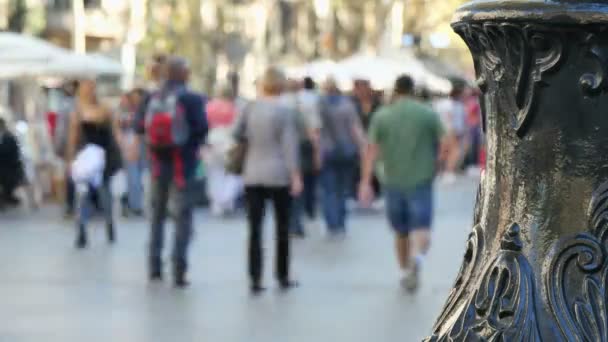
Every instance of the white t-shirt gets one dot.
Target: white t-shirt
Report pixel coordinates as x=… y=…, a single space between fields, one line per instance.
x=452 y=114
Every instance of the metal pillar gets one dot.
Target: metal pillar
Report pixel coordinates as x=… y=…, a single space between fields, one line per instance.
x=536 y=263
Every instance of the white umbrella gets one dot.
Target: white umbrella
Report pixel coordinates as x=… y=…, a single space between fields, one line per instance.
x=22 y=55
x=320 y=70
x=421 y=74
x=382 y=71
x=78 y=65
x=23 y=48
x=379 y=71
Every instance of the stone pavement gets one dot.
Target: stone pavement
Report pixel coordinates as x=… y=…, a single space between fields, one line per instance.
x=50 y=292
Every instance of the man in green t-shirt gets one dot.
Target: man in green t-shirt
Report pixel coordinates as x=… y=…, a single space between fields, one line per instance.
x=406 y=136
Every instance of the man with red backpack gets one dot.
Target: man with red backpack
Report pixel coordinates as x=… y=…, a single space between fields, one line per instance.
x=173 y=126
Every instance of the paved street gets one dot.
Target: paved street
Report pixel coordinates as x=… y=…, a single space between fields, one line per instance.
x=349 y=290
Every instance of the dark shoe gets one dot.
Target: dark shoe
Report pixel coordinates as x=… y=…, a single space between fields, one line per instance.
x=288 y=284
x=111 y=233
x=156 y=276
x=137 y=212
x=155 y=269
x=257 y=289
x=124 y=207
x=181 y=282
x=68 y=214
x=12 y=200
x=299 y=234
x=81 y=240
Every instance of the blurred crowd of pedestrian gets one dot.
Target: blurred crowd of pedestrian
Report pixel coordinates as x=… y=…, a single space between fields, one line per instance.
x=300 y=146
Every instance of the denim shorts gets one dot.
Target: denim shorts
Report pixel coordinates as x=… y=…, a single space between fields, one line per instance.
x=410 y=210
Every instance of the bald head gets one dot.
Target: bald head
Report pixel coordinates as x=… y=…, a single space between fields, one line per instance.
x=178 y=69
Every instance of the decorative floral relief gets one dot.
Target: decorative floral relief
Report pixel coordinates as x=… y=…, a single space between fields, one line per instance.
x=579 y=267
x=502 y=308
x=511 y=60
x=593 y=83
x=590 y=310
x=471 y=262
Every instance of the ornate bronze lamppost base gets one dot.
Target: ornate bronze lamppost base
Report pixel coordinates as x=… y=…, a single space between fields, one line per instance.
x=536 y=263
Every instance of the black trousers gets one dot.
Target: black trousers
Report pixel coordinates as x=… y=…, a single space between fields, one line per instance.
x=70 y=194
x=256 y=206
x=309 y=194
x=9 y=181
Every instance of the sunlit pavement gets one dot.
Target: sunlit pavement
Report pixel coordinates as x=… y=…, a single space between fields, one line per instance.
x=349 y=289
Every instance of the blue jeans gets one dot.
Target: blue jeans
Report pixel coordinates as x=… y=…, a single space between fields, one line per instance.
x=85 y=203
x=336 y=180
x=135 y=189
x=309 y=195
x=304 y=203
x=160 y=188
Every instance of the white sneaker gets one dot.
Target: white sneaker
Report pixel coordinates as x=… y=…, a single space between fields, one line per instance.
x=411 y=280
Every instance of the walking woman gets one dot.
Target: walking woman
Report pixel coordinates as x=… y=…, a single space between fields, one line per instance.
x=93 y=127
x=223 y=188
x=132 y=201
x=271 y=173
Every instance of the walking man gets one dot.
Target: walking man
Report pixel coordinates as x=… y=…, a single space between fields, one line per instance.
x=341 y=138
x=406 y=136
x=173 y=127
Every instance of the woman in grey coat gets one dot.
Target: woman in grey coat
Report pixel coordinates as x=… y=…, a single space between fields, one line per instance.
x=271 y=173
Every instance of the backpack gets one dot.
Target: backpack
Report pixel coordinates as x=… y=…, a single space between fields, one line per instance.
x=166 y=125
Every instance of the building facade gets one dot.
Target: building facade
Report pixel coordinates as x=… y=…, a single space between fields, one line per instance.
x=104 y=22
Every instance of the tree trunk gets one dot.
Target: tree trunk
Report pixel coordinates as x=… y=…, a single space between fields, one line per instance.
x=17 y=16
x=196 y=50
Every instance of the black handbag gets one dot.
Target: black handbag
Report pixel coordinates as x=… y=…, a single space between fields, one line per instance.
x=237 y=154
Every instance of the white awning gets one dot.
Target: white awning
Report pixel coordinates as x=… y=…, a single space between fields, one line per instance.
x=26 y=56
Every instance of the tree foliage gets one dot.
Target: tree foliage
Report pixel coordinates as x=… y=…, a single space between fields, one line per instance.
x=293 y=29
